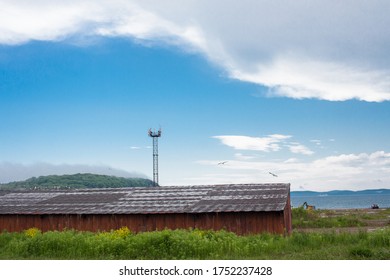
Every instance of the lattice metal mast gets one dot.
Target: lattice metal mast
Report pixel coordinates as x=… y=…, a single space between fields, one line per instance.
x=155 y=136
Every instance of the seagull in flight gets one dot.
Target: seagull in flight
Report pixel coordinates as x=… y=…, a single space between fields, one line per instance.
x=222 y=162
x=273 y=174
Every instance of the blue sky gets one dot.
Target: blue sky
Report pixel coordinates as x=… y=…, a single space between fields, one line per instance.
x=79 y=91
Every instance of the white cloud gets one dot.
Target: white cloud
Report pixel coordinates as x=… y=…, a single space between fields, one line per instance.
x=324 y=49
x=241 y=156
x=135 y=148
x=264 y=144
x=304 y=78
x=316 y=141
x=23 y=21
x=291 y=160
x=270 y=143
x=345 y=171
x=297 y=148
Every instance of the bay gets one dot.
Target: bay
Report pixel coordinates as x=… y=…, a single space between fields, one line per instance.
x=342 y=201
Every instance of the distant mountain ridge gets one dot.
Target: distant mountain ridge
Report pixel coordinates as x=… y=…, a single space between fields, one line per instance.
x=340 y=192
x=76 y=181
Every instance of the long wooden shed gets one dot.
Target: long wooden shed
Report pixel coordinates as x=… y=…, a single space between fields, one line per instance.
x=240 y=208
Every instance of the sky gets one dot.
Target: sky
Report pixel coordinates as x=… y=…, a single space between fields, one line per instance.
x=244 y=91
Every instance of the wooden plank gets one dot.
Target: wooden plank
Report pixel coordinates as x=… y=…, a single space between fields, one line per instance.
x=238 y=222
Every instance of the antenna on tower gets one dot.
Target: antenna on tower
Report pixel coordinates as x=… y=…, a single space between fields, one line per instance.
x=155 y=136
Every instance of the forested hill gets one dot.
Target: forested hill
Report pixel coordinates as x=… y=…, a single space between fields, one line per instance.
x=76 y=181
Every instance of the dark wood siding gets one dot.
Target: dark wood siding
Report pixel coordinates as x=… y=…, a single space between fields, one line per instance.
x=239 y=222
x=287 y=216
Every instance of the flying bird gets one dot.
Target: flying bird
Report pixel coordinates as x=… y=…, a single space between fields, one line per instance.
x=222 y=162
x=273 y=174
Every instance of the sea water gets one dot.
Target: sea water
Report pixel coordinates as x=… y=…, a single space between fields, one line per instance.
x=343 y=201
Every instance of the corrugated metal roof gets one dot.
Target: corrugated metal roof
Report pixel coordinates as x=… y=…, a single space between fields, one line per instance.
x=189 y=199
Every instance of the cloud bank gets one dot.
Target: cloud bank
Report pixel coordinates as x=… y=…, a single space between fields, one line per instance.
x=328 y=50
x=295 y=164
x=345 y=171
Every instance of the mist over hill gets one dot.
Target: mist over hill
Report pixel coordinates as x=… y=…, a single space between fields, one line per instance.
x=76 y=181
x=13 y=172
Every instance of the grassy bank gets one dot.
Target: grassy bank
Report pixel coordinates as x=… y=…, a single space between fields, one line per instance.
x=302 y=218
x=192 y=244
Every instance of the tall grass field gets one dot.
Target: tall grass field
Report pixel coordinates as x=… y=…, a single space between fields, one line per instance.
x=199 y=244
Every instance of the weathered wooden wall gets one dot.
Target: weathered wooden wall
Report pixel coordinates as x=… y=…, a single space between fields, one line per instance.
x=287 y=215
x=238 y=222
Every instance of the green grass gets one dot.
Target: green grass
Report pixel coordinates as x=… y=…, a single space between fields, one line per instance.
x=302 y=218
x=375 y=214
x=192 y=244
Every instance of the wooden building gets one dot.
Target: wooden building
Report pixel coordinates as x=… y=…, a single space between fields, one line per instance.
x=240 y=208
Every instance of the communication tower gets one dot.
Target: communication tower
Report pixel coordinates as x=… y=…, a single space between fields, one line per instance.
x=155 y=136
